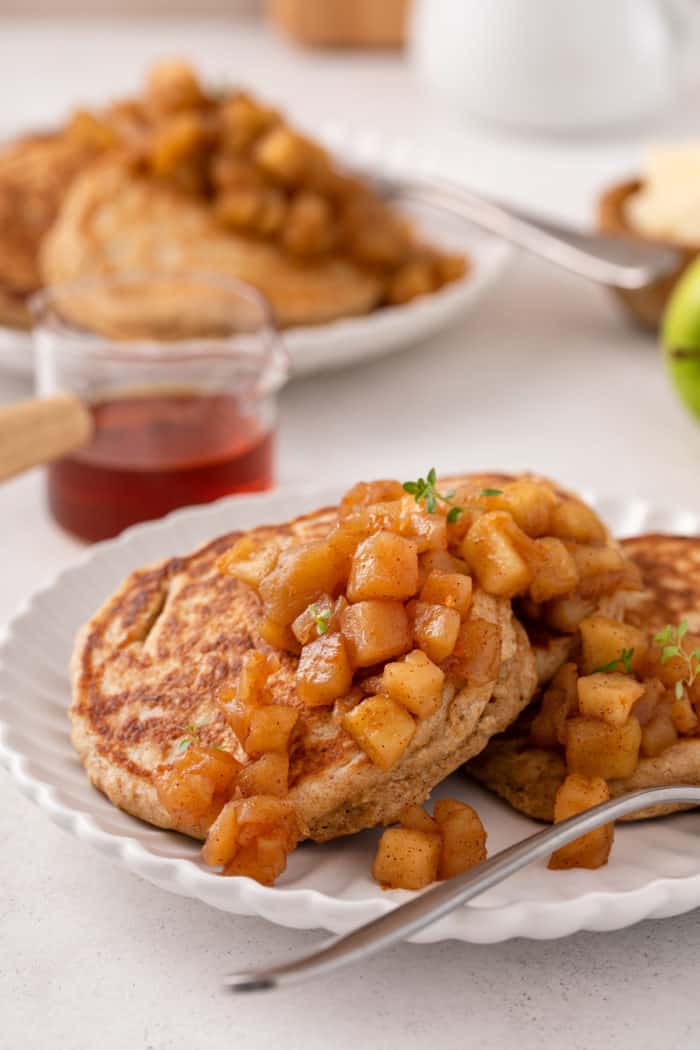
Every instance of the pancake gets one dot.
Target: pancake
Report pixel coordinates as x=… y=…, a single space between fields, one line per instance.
x=34 y=175
x=178 y=630
x=528 y=777
x=157 y=656
x=114 y=221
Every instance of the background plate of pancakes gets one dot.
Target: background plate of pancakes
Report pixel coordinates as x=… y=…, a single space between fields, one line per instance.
x=351 y=340
x=653 y=870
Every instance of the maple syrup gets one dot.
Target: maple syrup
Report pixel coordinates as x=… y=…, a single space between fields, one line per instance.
x=153 y=453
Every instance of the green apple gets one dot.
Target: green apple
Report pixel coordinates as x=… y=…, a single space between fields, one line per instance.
x=680 y=336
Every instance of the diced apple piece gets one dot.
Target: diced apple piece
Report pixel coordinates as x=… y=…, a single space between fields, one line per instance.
x=383 y=729
x=197 y=784
x=608 y=696
x=324 y=673
x=452 y=589
x=256 y=668
x=416 y=683
x=604 y=639
x=366 y=492
x=314 y=621
x=222 y=838
x=575 y=795
x=445 y=807
x=528 y=502
x=477 y=654
x=565 y=614
x=417 y=819
x=573 y=520
x=302 y=573
x=269 y=729
x=251 y=558
x=264 y=860
x=384 y=566
x=658 y=734
x=555 y=570
x=435 y=630
x=490 y=552
x=463 y=842
x=439 y=561
x=602 y=569
x=427 y=531
x=265 y=815
x=596 y=749
x=278 y=635
x=683 y=715
x=646 y=706
x=406 y=859
x=268 y=775
x=559 y=703
x=375 y=631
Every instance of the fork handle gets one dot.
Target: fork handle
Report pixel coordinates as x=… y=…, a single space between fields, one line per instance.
x=617 y=261
x=432 y=905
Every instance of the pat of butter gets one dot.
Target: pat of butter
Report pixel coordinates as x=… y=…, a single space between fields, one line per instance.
x=668 y=204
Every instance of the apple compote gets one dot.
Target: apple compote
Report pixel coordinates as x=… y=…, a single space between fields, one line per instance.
x=629 y=695
x=264 y=180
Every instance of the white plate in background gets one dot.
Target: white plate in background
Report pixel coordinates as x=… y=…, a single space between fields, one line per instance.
x=316 y=348
x=654 y=869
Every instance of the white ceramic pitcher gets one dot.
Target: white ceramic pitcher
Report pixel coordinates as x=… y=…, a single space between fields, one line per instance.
x=555 y=64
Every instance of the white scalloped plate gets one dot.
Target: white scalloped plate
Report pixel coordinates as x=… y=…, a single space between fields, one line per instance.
x=654 y=870
x=351 y=340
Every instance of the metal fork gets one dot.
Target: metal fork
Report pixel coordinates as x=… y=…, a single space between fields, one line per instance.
x=425 y=909
x=617 y=261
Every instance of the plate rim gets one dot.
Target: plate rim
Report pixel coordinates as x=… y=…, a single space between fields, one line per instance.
x=308 y=908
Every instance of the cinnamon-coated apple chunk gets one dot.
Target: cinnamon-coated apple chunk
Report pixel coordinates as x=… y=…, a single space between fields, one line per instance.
x=301 y=574
x=604 y=640
x=416 y=817
x=324 y=673
x=597 y=749
x=383 y=566
x=528 y=502
x=477 y=653
x=608 y=696
x=658 y=733
x=555 y=570
x=435 y=630
x=222 y=838
x=463 y=840
x=407 y=858
x=197 y=783
x=250 y=559
x=375 y=631
x=572 y=520
x=416 y=683
x=269 y=729
x=452 y=589
x=489 y=551
x=575 y=795
x=559 y=703
x=383 y=729
x=268 y=775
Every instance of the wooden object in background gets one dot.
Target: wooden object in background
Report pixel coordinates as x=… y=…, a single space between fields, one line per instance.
x=645 y=305
x=38 y=431
x=342 y=23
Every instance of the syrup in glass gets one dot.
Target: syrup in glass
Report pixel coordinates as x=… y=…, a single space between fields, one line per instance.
x=153 y=453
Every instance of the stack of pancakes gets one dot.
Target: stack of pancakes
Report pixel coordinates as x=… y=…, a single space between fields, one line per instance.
x=527 y=776
x=157 y=656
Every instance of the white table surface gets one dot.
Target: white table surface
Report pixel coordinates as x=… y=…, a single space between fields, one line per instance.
x=545 y=375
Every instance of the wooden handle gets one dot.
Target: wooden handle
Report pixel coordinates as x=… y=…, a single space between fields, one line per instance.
x=37 y=431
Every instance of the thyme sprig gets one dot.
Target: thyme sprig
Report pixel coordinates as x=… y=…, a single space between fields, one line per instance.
x=670 y=640
x=424 y=491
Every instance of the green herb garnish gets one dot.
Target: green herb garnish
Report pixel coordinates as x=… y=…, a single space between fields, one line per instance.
x=425 y=492
x=669 y=641
x=191 y=734
x=321 y=618
x=625 y=658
